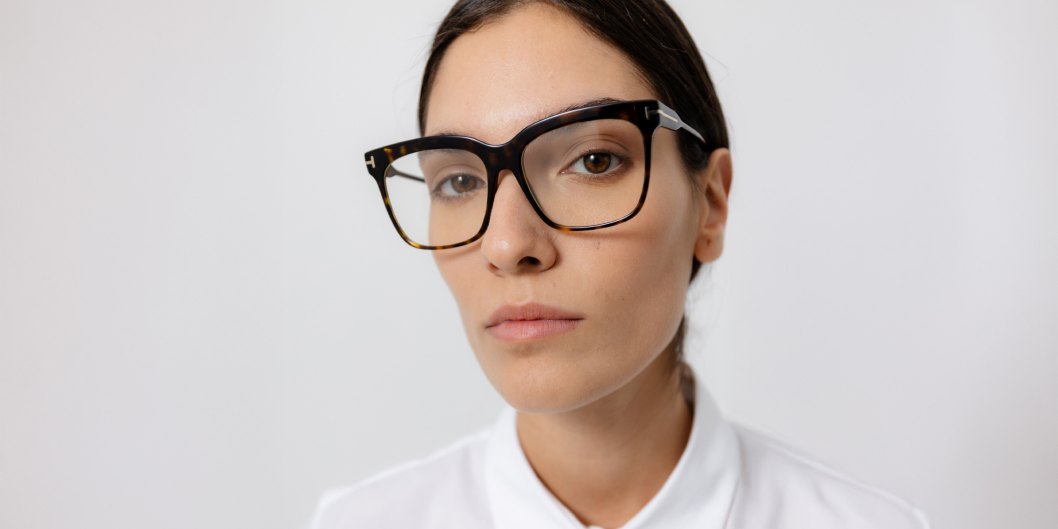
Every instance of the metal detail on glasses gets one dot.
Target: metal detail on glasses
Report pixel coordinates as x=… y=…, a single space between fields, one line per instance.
x=584 y=169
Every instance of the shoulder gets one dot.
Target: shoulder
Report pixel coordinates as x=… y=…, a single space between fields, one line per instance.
x=438 y=490
x=783 y=488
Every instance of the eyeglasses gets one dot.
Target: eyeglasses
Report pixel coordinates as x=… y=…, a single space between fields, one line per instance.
x=583 y=169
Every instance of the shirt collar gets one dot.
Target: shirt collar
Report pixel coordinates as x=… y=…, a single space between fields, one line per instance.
x=698 y=492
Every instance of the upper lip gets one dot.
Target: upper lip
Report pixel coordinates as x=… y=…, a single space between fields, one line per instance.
x=529 y=311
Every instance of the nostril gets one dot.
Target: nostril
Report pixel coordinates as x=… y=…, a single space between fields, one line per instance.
x=529 y=261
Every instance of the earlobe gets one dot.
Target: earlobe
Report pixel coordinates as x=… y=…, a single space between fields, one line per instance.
x=715 y=184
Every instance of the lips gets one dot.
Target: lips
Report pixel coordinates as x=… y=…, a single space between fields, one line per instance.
x=530 y=321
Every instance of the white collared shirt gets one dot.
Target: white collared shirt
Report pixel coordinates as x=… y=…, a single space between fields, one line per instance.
x=728 y=477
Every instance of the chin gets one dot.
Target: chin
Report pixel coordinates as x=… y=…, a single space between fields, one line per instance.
x=540 y=385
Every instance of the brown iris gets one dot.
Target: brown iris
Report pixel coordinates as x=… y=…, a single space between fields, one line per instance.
x=597 y=162
x=464 y=183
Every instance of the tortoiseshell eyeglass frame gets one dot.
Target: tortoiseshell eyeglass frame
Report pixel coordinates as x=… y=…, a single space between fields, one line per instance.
x=647 y=115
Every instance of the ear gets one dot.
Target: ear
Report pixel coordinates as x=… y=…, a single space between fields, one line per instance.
x=715 y=183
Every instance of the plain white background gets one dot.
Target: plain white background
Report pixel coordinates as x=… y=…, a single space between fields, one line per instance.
x=206 y=318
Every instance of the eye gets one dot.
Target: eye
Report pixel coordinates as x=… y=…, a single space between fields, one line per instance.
x=458 y=185
x=596 y=163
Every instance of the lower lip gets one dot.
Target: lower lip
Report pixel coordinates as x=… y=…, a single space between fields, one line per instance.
x=516 y=331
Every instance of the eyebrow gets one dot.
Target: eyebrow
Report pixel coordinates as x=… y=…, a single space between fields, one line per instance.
x=575 y=106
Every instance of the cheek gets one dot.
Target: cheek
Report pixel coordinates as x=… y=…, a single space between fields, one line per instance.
x=464 y=276
x=639 y=272
x=644 y=287
x=459 y=273
x=656 y=252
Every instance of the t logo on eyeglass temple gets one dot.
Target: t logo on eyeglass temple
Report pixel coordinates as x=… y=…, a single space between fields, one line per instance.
x=370 y=162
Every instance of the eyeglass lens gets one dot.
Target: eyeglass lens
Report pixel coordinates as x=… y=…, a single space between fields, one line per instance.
x=581 y=174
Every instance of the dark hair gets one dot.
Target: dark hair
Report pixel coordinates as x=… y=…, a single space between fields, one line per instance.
x=651 y=35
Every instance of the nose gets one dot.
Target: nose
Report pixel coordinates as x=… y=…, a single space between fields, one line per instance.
x=517 y=240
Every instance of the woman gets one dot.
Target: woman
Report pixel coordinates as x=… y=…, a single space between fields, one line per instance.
x=572 y=178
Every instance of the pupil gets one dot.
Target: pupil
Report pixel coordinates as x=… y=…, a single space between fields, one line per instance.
x=597 y=162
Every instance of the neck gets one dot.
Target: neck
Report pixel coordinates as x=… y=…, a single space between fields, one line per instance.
x=606 y=460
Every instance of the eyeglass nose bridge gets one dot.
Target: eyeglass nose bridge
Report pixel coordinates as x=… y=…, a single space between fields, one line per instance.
x=508 y=157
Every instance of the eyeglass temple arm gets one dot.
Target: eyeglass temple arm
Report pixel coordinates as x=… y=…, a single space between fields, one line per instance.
x=396 y=172
x=671 y=120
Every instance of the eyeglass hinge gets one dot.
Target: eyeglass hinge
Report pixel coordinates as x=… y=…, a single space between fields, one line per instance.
x=674 y=119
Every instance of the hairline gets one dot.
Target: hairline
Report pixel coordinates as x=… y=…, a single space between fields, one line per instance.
x=428 y=82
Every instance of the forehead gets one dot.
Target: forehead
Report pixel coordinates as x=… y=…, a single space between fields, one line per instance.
x=529 y=64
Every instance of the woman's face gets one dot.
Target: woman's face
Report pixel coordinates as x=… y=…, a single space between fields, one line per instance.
x=616 y=295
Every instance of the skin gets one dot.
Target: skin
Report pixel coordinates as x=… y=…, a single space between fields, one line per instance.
x=600 y=416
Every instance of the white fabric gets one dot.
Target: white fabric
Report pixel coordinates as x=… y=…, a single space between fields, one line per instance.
x=727 y=477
